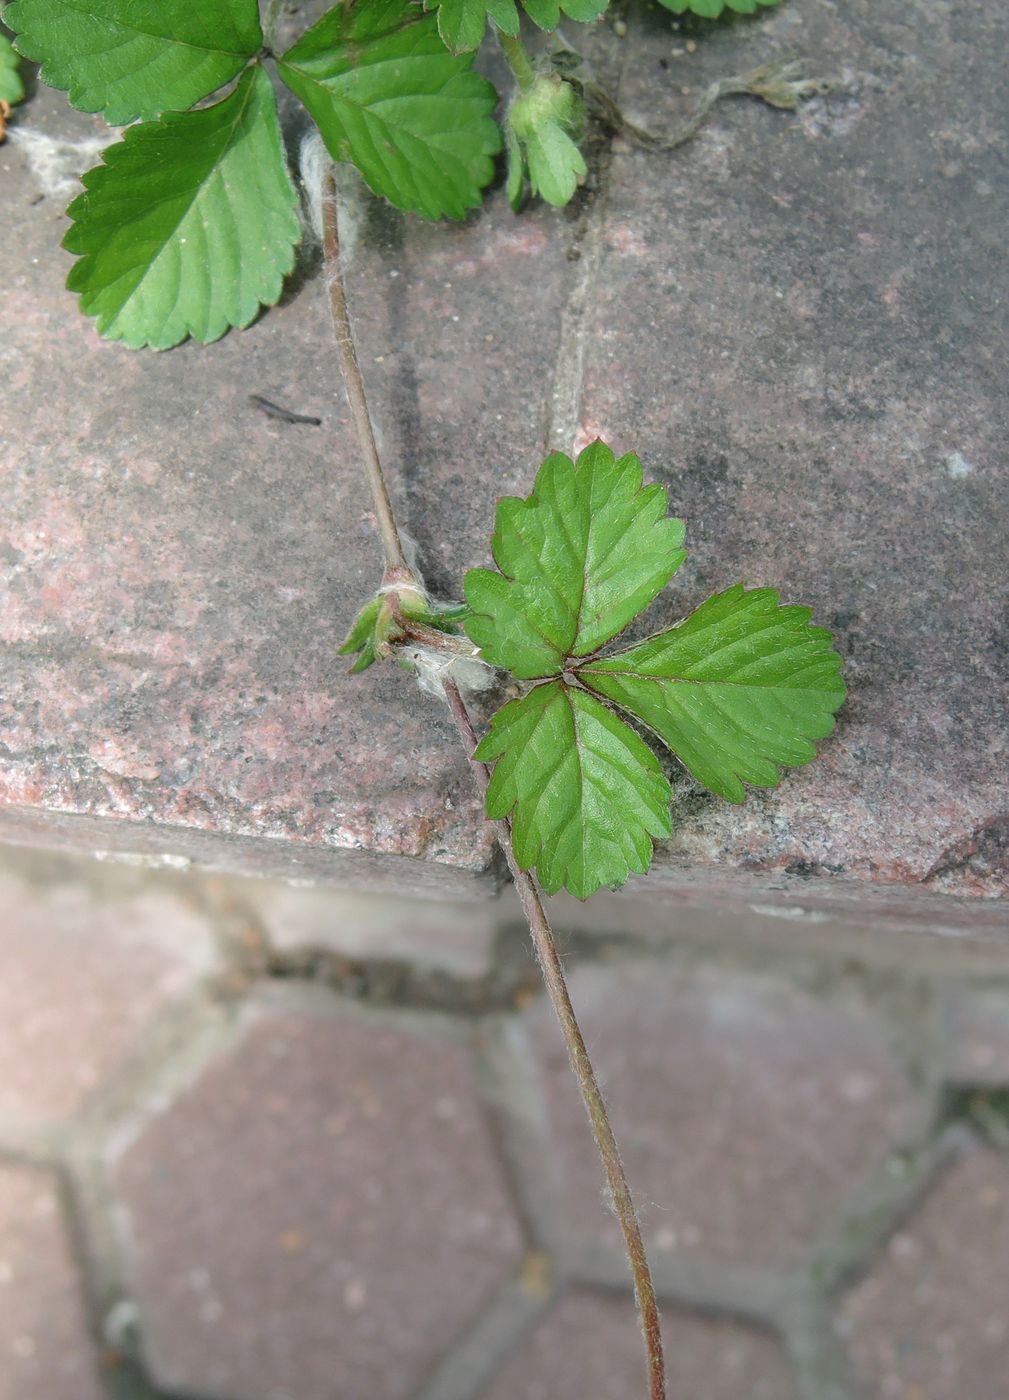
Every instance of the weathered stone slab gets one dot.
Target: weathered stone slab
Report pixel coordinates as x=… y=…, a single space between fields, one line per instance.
x=796 y=321
x=178 y=569
x=799 y=324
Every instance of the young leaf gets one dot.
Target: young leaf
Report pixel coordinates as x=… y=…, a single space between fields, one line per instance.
x=136 y=58
x=461 y=23
x=579 y=559
x=189 y=225
x=12 y=89
x=585 y=794
x=555 y=163
x=387 y=94
x=711 y=9
x=543 y=126
x=739 y=687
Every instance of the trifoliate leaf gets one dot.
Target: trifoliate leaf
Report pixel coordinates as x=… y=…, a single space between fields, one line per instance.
x=387 y=95
x=461 y=23
x=189 y=226
x=136 y=58
x=12 y=89
x=584 y=793
x=740 y=689
x=579 y=559
x=711 y=9
x=742 y=686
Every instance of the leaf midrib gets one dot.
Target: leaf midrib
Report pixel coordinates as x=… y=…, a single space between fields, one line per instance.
x=584 y=674
x=164 y=243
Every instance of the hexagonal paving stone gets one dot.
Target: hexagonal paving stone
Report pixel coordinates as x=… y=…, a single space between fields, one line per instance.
x=745 y=1108
x=45 y=1353
x=320 y=1214
x=931 y=1321
x=591 y=1346
x=85 y=970
x=980 y=1041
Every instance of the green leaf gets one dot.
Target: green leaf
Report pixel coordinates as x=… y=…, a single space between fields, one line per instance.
x=585 y=795
x=461 y=23
x=189 y=226
x=12 y=89
x=547 y=13
x=742 y=686
x=542 y=125
x=579 y=559
x=515 y=184
x=711 y=9
x=136 y=58
x=555 y=163
x=387 y=95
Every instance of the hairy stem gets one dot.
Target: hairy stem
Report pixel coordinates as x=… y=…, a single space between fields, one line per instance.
x=553 y=977
x=518 y=60
x=397 y=570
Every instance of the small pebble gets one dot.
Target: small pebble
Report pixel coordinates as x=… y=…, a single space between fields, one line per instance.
x=691 y=46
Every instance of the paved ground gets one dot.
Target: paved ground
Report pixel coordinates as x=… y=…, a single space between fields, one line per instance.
x=240 y=1159
x=264 y=1141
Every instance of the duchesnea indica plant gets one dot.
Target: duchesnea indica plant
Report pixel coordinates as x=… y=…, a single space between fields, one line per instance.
x=189 y=226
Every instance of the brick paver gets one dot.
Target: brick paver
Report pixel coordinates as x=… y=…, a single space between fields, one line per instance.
x=85 y=971
x=980 y=1034
x=45 y=1353
x=931 y=1321
x=745 y=1108
x=319 y=1216
x=591 y=1347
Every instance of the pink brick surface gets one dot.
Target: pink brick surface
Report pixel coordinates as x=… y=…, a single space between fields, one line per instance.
x=85 y=973
x=591 y=1347
x=45 y=1353
x=930 y=1322
x=320 y=1215
x=746 y=1110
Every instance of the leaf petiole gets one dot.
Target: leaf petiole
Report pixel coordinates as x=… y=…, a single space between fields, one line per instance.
x=518 y=59
x=397 y=570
